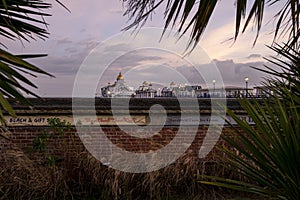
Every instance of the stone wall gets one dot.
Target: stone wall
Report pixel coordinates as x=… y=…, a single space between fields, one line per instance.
x=31 y=133
x=69 y=144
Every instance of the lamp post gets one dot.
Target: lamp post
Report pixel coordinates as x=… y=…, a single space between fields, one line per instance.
x=246 y=80
x=214 y=83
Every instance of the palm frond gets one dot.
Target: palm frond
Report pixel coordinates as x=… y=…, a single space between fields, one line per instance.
x=19 y=21
x=268 y=153
x=193 y=16
x=288 y=59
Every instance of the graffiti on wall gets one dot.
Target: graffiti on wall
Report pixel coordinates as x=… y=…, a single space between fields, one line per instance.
x=175 y=120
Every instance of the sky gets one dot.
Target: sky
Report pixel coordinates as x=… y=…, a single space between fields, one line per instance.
x=91 y=26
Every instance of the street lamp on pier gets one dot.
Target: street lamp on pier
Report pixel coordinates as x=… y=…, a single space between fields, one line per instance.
x=246 y=81
x=214 y=84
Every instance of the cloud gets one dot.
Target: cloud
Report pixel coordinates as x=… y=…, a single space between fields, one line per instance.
x=73 y=38
x=232 y=73
x=120 y=47
x=87 y=44
x=66 y=61
x=59 y=65
x=116 y=11
x=71 y=50
x=61 y=86
x=254 y=55
x=63 y=41
x=135 y=58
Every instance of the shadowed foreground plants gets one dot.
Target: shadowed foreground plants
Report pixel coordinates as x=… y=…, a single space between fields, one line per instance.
x=21 y=178
x=286 y=82
x=269 y=153
x=87 y=178
x=176 y=181
x=21 y=20
x=81 y=176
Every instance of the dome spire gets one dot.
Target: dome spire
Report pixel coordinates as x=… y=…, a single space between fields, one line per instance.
x=120 y=77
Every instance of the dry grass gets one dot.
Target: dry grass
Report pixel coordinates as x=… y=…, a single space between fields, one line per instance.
x=177 y=181
x=81 y=176
x=20 y=178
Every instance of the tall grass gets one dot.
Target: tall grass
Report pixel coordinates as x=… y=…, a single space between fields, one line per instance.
x=84 y=177
x=21 y=178
x=78 y=175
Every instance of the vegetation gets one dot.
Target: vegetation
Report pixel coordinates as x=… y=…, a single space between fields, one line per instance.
x=190 y=16
x=56 y=137
x=268 y=158
x=84 y=177
x=19 y=21
x=269 y=153
x=43 y=174
x=284 y=83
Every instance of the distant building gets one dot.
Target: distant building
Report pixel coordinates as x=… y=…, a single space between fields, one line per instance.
x=185 y=91
x=117 y=90
x=145 y=91
x=262 y=91
x=234 y=92
x=121 y=90
x=228 y=92
x=197 y=89
x=167 y=92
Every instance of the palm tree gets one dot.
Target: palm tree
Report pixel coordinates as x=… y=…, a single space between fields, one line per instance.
x=194 y=16
x=286 y=82
x=269 y=153
x=18 y=21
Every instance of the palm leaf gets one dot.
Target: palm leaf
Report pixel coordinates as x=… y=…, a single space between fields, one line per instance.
x=19 y=18
x=194 y=16
x=17 y=61
x=18 y=21
x=269 y=152
x=288 y=59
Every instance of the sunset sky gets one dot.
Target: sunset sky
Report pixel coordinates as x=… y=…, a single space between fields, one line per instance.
x=74 y=35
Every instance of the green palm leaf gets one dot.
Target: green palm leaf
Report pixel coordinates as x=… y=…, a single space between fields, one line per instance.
x=288 y=59
x=19 y=21
x=269 y=152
